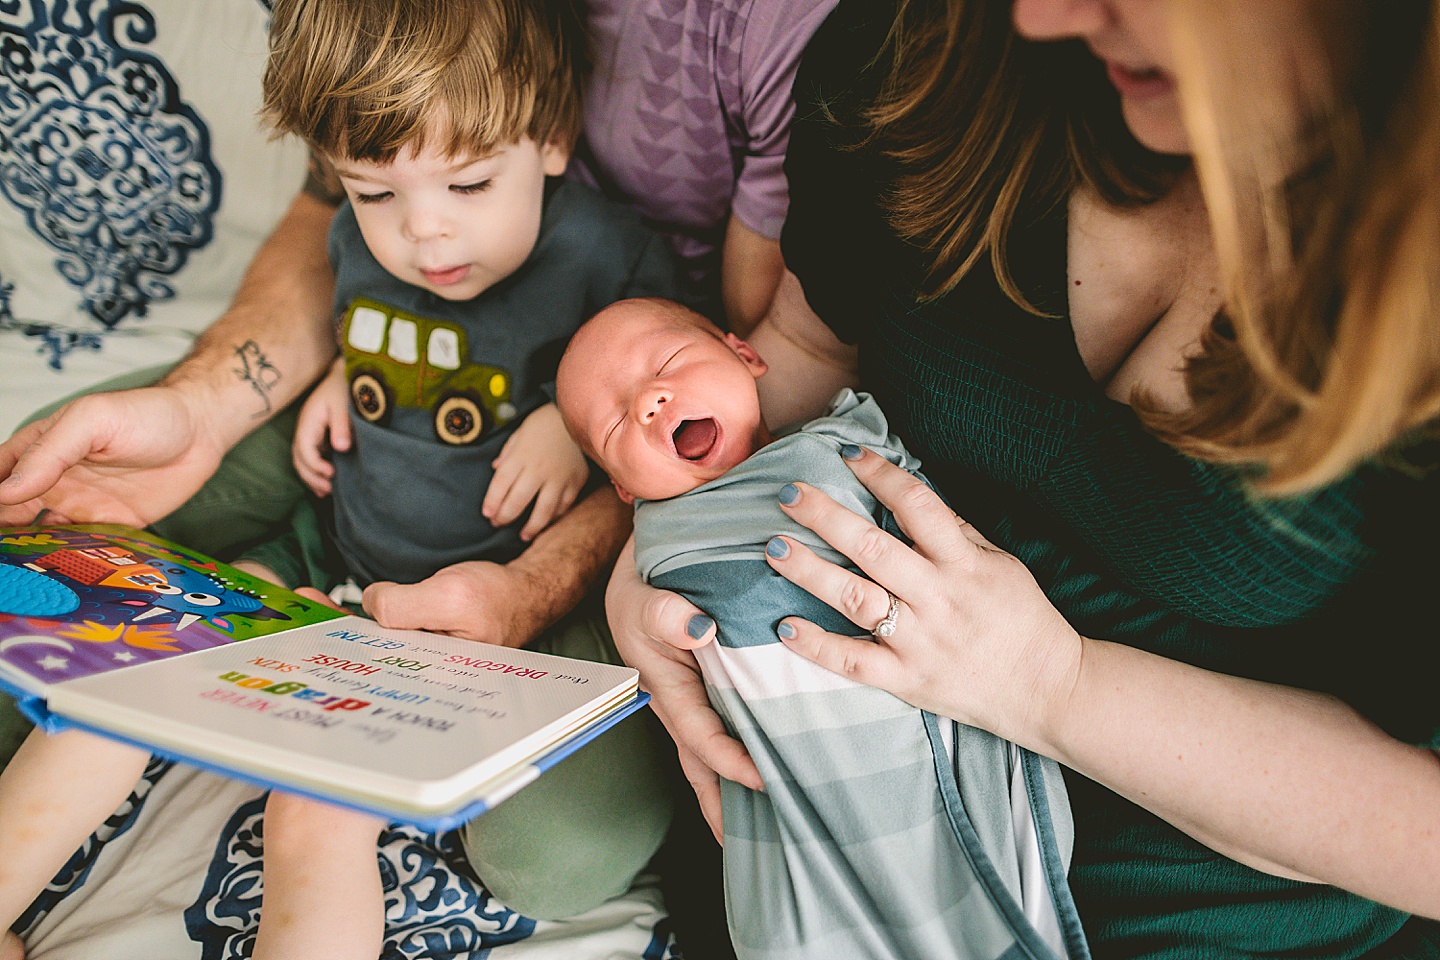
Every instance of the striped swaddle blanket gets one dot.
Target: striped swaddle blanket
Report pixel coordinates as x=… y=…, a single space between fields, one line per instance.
x=884 y=831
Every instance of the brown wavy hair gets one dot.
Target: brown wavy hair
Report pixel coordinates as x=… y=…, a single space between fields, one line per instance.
x=1318 y=153
x=364 y=79
x=1025 y=125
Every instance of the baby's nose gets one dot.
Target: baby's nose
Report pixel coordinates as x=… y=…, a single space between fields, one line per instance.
x=651 y=403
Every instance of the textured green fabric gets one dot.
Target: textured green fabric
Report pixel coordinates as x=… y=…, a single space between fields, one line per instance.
x=14 y=728
x=1131 y=541
x=302 y=554
x=581 y=833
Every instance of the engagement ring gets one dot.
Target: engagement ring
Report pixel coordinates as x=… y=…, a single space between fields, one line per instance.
x=886 y=627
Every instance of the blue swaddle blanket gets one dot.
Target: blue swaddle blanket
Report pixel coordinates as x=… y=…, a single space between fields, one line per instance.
x=884 y=831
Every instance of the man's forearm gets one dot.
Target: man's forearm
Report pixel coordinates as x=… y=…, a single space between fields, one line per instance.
x=277 y=336
x=573 y=555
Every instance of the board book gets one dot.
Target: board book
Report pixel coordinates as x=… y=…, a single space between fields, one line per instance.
x=113 y=630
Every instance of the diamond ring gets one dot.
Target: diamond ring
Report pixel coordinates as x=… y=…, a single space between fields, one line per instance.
x=886 y=627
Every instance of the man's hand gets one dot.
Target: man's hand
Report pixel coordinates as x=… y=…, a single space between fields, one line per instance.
x=539 y=464
x=130 y=457
x=323 y=425
x=510 y=604
x=474 y=600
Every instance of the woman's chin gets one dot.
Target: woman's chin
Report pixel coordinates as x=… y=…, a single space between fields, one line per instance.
x=1156 y=125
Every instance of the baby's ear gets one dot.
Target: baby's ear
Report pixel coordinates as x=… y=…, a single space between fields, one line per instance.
x=747 y=353
x=625 y=495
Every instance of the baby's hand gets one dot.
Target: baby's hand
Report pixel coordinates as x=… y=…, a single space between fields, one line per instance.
x=539 y=463
x=326 y=414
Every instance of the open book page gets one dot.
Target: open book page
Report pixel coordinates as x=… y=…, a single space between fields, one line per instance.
x=401 y=721
x=136 y=638
x=77 y=601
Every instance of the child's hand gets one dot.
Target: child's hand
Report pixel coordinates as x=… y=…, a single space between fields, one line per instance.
x=539 y=463
x=326 y=413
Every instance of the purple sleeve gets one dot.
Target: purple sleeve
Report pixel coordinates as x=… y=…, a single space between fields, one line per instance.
x=775 y=34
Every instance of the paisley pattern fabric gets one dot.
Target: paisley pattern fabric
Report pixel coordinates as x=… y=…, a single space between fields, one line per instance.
x=136 y=183
x=435 y=907
x=108 y=164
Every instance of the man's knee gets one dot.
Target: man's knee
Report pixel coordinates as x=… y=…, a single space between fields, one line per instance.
x=582 y=833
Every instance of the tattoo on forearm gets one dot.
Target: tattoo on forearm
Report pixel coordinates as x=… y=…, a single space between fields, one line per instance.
x=256 y=370
x=322 y=183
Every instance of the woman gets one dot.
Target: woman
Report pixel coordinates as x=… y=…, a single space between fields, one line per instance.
x=1193 y=396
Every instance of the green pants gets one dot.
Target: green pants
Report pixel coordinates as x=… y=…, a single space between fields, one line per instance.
x=581 y=833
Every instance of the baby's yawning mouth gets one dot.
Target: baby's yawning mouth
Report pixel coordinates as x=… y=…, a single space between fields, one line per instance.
x=694 y=438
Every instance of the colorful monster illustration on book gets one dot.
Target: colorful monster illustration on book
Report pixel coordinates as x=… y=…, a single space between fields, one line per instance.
x=106 y=600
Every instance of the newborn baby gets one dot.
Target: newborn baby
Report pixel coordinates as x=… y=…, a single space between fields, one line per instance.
x=884 y=831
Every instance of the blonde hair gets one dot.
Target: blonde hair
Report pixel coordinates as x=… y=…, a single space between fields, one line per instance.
x=1328 y=235
x=364 y=79
x=1321 y=179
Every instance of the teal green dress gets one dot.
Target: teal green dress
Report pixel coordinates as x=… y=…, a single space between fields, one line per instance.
x=1131 y=541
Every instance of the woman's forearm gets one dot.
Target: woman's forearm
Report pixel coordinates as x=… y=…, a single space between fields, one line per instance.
x=807 y=363
x=1287 y=781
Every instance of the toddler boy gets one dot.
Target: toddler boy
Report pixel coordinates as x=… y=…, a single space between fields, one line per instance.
x=462 y=267
x=884 y=832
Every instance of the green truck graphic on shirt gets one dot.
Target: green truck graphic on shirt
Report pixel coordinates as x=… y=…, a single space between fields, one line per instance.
x=397 y=359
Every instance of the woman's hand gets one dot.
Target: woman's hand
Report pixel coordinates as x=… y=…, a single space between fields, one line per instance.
x=655 y=631
x=975 y=639
x=1247 y=768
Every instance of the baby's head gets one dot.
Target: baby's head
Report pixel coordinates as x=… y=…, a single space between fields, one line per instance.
x=660 y=398
x=442 y=119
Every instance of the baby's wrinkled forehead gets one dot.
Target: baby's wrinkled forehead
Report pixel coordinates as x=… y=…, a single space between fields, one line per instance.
x=602 y=356
x=626 y=327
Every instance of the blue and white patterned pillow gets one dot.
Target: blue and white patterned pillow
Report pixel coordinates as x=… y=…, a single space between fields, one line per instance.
x=135 y=183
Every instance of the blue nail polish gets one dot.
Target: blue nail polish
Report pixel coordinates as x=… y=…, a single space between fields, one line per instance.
x=789 y=494
x=851 y=452
x=777 y=548
x=785 y=631
x=698 y=626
